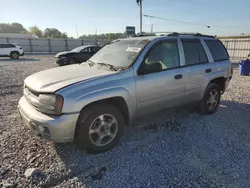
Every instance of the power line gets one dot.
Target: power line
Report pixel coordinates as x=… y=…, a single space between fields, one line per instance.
x=172 y=20
x=192 y=23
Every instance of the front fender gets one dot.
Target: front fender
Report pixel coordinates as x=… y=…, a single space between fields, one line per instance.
x=97 y=95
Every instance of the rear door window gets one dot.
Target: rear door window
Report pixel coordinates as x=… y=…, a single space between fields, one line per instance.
x=194 y=52
x=217 y=49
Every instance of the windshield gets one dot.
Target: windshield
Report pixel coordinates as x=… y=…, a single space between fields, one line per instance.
x=121 y=53
x=78 y=49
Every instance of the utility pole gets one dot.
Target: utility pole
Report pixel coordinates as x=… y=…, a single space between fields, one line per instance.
x=152 y=28
x=76 y=32
x=96 y=35
x=139 y=2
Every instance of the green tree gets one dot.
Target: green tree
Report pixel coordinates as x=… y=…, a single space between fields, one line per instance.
x=12 y=28
x=104 y=36
x=36 y=31
x=64 y=35
x=52 y=33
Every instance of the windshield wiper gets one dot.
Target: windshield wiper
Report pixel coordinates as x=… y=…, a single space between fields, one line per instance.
x=111 y=67
x=90 y=63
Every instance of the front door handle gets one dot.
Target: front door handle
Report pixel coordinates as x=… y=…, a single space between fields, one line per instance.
x=178 y=76
x=208 y=70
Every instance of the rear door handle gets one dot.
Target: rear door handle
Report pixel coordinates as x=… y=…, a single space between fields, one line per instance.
x=208 y=70
x=178 y=76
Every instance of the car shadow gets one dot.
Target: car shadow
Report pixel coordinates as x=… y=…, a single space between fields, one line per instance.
x=88 y=168
x=21 y=59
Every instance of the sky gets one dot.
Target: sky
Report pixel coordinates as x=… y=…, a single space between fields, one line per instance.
x=77 y=17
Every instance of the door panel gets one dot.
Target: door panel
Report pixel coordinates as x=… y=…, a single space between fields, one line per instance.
x=84 y=56
x=196 y=81
x=160 y=90
x=198 y=68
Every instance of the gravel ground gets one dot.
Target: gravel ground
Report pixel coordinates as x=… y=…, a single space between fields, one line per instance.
x=173 y=148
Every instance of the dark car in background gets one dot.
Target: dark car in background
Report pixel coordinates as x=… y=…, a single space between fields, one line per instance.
x=77 y=55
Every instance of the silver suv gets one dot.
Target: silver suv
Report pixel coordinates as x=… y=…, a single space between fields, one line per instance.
x=91 y=102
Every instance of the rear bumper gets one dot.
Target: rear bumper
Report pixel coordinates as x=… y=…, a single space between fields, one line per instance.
x=228 y=79
x=54 y=128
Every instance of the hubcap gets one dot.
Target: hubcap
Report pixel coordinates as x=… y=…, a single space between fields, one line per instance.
x=103 y=129
x=212 y=99
x=15 y=55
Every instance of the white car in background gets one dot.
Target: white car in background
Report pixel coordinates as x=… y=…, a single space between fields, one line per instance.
x=11 y=50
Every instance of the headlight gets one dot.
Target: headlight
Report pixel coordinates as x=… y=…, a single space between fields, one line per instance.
x=50 y=103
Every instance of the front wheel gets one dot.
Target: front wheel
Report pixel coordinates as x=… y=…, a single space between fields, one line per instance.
x=72 y=61
x=14 y=55
x=211 y=99
x=99 y=128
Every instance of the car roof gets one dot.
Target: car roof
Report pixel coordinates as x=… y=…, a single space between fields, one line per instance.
x=172 y=35
x=10 y=43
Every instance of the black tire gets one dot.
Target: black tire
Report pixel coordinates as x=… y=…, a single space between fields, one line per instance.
x=14 y=55
x=206 y=108
x=87 y=117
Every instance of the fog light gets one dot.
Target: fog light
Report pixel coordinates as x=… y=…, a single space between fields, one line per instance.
x=44 y=131
x=34 y=128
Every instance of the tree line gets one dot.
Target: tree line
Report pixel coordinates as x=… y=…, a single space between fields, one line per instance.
x=18 y=28
x=55 y=33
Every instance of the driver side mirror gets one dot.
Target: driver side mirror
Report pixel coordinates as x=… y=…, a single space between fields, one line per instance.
x=149 y=68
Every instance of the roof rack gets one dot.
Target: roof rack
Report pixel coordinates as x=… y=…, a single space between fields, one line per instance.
x=193 y=34
x=167 y=33
x=144 y=34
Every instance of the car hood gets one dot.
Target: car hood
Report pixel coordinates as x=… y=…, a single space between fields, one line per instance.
x=64 y=53
x=56 y=78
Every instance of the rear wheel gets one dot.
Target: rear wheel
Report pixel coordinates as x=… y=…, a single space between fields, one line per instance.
x=14 y=55
x=99 y=128
x=211 y=99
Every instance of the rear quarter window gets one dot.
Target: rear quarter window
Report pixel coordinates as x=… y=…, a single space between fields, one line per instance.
x=217 y=49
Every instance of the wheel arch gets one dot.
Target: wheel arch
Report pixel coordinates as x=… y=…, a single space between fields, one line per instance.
x=13 y=51
x=220 y=81
x=117 y=101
